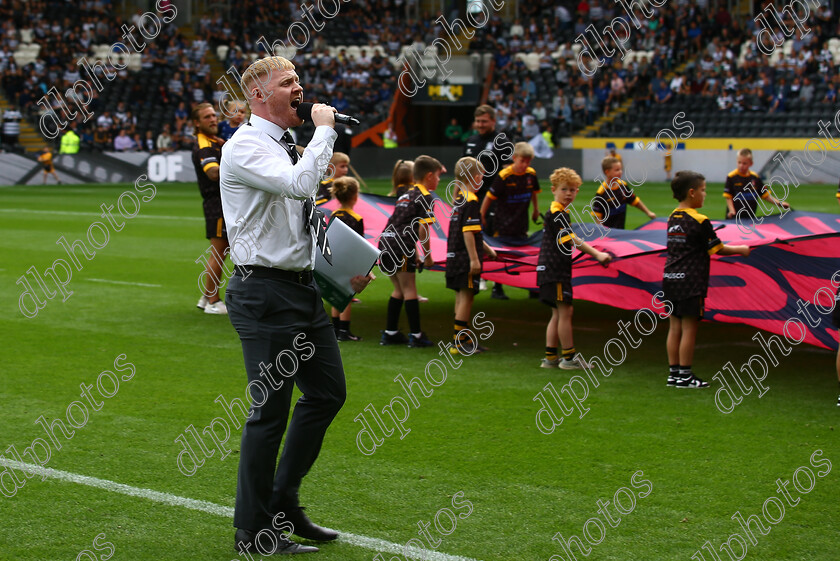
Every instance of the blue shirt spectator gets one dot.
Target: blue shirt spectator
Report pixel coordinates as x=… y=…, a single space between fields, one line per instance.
x=339 y=102
x=663 y=94
x=602 y=92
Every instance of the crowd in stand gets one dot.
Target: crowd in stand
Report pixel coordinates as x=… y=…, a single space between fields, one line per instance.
x=708 y=38
x=66 y=34
x=365 y=80
x=556 y=97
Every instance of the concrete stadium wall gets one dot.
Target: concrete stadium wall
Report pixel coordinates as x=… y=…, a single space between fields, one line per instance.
x=377 y=162
x=371 y=163
x=648 y=165
x=117 y=167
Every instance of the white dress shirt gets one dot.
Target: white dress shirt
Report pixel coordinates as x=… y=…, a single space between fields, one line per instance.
x=263 y=195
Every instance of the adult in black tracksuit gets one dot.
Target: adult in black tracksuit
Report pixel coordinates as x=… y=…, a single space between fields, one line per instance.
x=495 y=151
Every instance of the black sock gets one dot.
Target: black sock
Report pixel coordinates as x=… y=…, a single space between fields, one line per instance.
x=685 y=371
x=551 y=353
x=674 y=370
x=569 y=354
x=394 y=308
x=412 y=310
x=343 y=325
x=458 y=327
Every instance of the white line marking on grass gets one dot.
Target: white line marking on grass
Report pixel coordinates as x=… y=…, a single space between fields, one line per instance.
x=165 y=498
x=126 y=282
x=78 y=213
x=374 y=544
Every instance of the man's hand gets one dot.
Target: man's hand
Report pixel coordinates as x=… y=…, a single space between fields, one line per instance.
x=323 y=115
x=427 y=261
x=651 y=215
x=490 y=253
x=359 y=283
x=535 y=215
x=475 y=267
x=730 y=214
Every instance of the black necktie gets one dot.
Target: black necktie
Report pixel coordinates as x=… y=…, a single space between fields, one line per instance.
x=311 y=213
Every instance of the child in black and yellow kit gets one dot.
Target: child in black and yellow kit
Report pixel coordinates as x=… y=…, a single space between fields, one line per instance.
x=346 y=191
x=554 y=271
x=413 y=215
x=691 y=242
x=513 y=191
x=836 y=316
x=464 y=248
x=339 y=164
x=402 y=178
x=744 y=187
x=609 y=206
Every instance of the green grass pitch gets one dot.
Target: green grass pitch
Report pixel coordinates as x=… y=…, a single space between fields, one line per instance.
x=475 y=435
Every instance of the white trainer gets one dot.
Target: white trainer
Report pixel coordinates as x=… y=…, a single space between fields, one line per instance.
x=202 y=302
x=576 y=363
x=216 y=308
x=550 y=363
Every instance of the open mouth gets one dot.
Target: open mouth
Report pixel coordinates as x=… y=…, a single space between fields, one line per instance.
x=296 y=102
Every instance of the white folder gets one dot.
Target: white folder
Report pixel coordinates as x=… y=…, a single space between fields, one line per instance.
x=352 y=255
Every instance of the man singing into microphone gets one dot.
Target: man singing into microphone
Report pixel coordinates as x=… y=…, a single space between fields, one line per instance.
x=275 y=306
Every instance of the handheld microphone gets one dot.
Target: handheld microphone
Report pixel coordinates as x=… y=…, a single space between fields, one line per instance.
x=304 y=111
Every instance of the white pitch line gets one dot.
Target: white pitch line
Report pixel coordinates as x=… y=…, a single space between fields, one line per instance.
x=165 y=498
x=374 y=544
x=126 y=282
x=75 y=213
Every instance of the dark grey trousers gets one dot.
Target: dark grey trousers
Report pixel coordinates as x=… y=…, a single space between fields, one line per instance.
x=286 y=338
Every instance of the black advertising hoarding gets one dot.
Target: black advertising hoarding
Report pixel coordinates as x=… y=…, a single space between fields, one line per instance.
x=451 y=94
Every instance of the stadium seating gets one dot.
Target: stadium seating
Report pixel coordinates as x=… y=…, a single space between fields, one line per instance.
x=388 y=33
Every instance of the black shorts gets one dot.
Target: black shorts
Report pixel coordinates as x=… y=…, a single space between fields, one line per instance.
x=690 y=307
x=391 y=264
x=463 y=281
x=48 y=169
x=215 y=228
x=553 y=292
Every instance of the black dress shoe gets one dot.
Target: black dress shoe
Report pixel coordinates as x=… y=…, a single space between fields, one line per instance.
x=263 y=544
x=305 y=528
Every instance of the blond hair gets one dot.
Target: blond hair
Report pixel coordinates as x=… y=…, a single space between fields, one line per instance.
x=197 y=109
x=523 y=149
x=403 y=174
x=251 y=78
x=565 y=177
x=465 y=171
x=609 y=162
x=344 y=189
x=745 y=153
x=234 y=104
x=340 y=158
